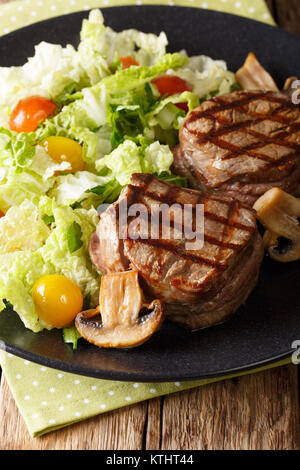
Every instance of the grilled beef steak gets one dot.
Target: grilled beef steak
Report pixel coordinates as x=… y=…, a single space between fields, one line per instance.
x=200 y=287
x=242 y=144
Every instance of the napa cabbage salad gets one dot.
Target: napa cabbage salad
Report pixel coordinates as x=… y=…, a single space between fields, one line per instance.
x=74 y=125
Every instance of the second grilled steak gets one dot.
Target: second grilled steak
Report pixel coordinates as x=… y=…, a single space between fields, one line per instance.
x=199 y=287
x=242 y=144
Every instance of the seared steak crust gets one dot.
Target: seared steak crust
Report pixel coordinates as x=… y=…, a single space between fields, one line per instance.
x=200 y=287
x=243 y=144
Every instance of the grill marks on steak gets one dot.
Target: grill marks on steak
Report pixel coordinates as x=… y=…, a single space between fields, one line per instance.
x=189 y=282
x=222 y=301
x=227 y=228
x=247 y=137
x=227 y=133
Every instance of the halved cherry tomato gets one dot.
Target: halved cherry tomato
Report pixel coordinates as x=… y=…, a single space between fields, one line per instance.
x=2 y=214
x=172 y=85
x=29 y=112
x=128 y=62
x=57 y=299
x=62 y=149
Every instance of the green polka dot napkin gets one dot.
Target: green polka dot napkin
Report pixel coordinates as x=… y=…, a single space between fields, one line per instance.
x=50 y=399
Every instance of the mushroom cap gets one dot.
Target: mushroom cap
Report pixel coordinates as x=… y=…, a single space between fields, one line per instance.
x=281 y=249
x=120 y=305
x=279 y=212
x=120 y=336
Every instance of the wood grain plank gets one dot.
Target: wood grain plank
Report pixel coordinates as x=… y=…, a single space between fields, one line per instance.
x=153 y=431
x=271 y=6
x=121 y=429
x=259 y=411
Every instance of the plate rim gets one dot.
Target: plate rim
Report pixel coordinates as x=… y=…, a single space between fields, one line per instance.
x=85 y=371
x=149 y=6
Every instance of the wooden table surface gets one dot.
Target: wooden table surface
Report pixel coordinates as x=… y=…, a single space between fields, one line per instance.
x=259 y=411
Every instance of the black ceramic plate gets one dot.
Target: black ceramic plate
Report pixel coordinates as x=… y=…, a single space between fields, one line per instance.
x=266 y=326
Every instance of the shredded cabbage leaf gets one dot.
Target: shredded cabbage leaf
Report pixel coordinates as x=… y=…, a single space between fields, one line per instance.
x=37 y=250
x=208 y=77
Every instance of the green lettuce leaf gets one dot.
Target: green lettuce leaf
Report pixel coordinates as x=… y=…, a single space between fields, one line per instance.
x=207 y=77
x=16 y=149
x=108 y=112
x=126 y=80
x=145 y=48
x=123 y=161
x=167 y=115
x=17 y=187
x=91 y=111
x=95 y=144
x=22 y=228
x=26 y=171
x=174 y=179
x=48 y=73
x=74 y=237
x=71 y=335
x=107 y=193
x=70 y=188
x=157 y=159
x=56 y=72
x=18 y=272
x=129 y=158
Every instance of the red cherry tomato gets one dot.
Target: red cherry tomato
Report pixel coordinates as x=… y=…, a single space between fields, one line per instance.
x=172 y=85
x=30 y=112
x=128 y=62
x=1 y=214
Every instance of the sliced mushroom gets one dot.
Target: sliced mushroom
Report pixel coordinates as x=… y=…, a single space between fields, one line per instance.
x=252 y=76
x=279 y=212
x=288 y=84
x=120 y=324
x=292 y=88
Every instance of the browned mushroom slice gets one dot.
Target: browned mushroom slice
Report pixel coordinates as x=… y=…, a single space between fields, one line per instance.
x=288 y=84
x=120 y=324
x=279 y=212
x=252 y=76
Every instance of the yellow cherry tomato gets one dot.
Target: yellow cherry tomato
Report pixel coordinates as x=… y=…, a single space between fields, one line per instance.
x=62 y=149
x=57 y=299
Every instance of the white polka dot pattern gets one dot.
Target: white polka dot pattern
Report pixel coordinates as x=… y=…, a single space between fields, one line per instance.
x=15 y=15
x=58 y=399
x=55 y=403
x=54 y=399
